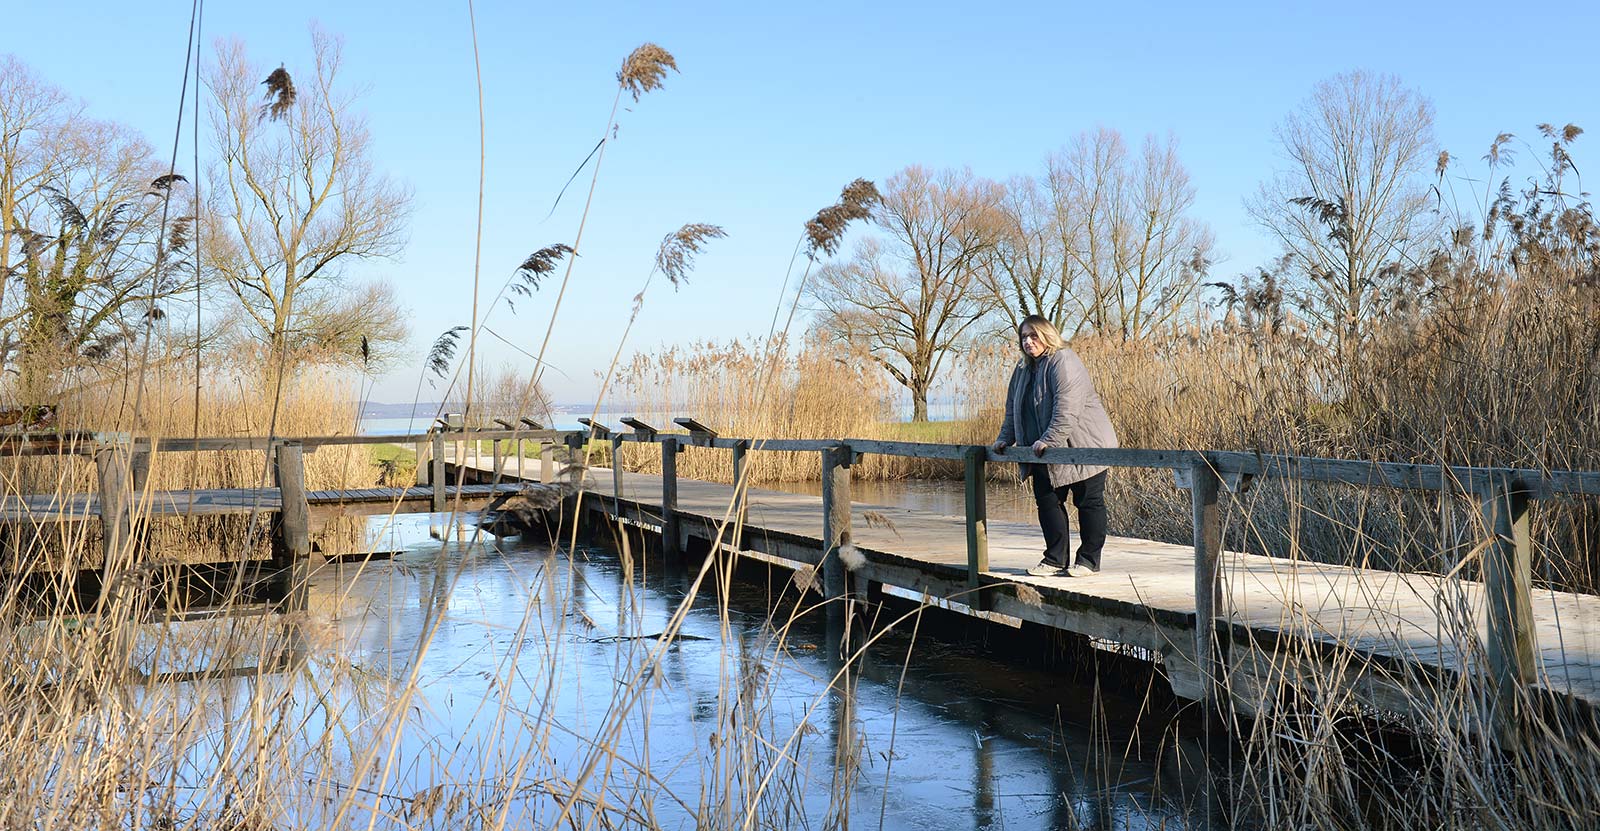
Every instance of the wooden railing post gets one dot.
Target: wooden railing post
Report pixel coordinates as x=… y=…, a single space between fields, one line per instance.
x=1508 y=589
x=494 y=446
x=670 y=549
x=139 y=469
x=741 y=492
x=976 y=459
x=547 y=461
x=424 y=461
x=1205 y=485
x=835 y=518
x=292 y=549
x=438 y=477
x=111 y=468
x=616 y=470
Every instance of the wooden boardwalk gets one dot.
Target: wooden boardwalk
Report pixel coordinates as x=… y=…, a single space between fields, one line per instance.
x=1351 y=637
x=1377 y=627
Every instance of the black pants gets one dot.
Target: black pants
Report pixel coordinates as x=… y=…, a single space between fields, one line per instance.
x=1089 y=497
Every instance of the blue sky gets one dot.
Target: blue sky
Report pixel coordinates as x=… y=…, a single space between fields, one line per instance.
x=777 y=107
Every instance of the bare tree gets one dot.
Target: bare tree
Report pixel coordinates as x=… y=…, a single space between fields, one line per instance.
x=908 y=297
x=1102 y=240
x=1349 y=208
x=1026 y=273
x=82 y=239
x=1136 y=255
x=294 y=199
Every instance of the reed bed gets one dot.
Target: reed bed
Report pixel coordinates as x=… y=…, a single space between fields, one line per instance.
x=747 y=388
x=1324 y=738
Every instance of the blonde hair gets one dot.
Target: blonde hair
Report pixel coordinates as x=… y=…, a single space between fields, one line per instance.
x=1048 y=334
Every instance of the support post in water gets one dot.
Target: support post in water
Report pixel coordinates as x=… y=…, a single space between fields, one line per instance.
x=1508 y=590
x=835 y=519
x=670 y=548
x=1205 y=486
x=111 y=467
x=292 y=549
x=437 y=475
x=976 y=459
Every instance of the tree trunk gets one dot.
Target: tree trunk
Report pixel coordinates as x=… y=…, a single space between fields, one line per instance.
x=919 y=403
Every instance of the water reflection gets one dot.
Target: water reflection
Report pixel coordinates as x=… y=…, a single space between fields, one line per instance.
x=544 y=689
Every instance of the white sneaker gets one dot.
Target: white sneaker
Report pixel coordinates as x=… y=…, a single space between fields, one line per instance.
x=1045 y=568
x=1080 y=571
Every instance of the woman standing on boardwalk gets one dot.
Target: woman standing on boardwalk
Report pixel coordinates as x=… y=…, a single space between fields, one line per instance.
x=1051 y=402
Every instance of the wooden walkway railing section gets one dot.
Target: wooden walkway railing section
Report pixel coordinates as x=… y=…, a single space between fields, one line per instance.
x=1503 y=494
x=123 y=501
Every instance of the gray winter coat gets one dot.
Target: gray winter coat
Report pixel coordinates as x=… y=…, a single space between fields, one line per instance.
x=1066 y=409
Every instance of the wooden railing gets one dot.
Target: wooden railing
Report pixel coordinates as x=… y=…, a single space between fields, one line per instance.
x=1503 y=496
x=122 y=466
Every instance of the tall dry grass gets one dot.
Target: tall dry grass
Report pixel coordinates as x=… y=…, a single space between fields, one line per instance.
x=316 y=404
x=817 y=391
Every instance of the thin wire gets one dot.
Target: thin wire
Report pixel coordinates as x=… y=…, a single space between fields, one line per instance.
x=195 y=186
x=166 y=203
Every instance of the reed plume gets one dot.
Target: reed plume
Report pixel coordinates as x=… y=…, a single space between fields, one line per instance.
x=280 y=94
x=535 y=268
x=676 y=255
x=645 y=69
x=443 y=350
x=825 y=230
x=164 y=183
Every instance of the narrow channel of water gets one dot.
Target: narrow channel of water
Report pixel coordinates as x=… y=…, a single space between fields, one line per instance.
x=538 y=651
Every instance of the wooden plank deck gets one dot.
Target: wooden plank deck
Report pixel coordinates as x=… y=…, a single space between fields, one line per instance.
x=1397 y=619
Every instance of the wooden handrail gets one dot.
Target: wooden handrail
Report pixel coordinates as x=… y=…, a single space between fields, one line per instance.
x=1502 y=492
x=1230 y=464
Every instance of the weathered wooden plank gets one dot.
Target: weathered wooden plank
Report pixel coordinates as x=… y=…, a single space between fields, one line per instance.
x=669 y=499
x=977 y=498
x=699 y=434
x=911 y=449
x=1406 y=476
x=293 y=547
x=1205 y=485
x=437 y=477
x=741 y=489
x=69 y=443
x=1508 y=588
x=111 y=467
x=836 y=528
x=454 y=435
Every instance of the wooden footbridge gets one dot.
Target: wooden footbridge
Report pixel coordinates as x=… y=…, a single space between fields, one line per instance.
x=1226 y=626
